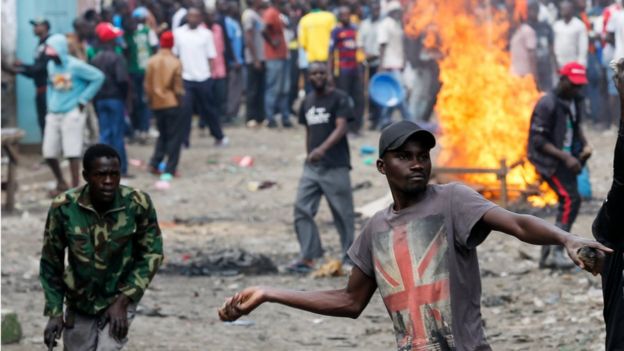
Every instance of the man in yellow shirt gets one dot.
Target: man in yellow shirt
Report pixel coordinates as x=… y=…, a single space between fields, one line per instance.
x=315 y=30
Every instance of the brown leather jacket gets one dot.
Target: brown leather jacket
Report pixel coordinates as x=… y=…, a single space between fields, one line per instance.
x=163 y=80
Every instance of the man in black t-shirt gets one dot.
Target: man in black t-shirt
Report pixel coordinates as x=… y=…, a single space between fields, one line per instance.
x=325 y=113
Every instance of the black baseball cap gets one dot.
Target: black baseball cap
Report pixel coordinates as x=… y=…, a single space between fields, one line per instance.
x=40 y=20
x=395 y=135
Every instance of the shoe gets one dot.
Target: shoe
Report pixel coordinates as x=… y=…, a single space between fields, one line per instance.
x=300 y=267
x=272 y=124
x=225 y=141
x=287 y=124
x=153 y=170
x=251 y=123
x=544 y=256
x=555 y=258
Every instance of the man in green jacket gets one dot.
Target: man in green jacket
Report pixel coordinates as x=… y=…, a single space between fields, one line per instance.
x=114 y=248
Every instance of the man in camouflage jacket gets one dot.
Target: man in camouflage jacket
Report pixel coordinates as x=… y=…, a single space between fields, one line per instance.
x=114 y=248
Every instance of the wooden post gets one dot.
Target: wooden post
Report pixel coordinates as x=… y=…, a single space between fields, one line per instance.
x=503 y=180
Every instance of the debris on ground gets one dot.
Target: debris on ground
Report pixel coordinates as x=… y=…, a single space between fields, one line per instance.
x=228 y=262
x=11 y=328
x=367 y=184
x=333 y=268
x=255 y=186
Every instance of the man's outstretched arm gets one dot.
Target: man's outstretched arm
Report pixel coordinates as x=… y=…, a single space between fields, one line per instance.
x=533 y=230
x=347 y=302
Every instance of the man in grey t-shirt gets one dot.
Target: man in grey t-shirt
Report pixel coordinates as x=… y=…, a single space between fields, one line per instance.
x=420 y=252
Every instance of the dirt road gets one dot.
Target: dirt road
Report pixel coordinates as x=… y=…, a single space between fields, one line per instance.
x=524 y=308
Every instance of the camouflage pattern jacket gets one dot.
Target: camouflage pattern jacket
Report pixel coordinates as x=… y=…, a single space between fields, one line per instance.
x=108 y=254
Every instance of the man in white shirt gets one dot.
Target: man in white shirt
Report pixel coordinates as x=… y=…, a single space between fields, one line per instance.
x=392 y=55
x=571 y=38
x=195 y=47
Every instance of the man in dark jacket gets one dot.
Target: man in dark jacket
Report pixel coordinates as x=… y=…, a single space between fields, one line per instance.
x=109 y=102
x=558 y=149
x=38 y=71
x=608 y=229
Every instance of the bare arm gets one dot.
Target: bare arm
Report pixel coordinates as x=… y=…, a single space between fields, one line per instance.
x=382 y=51
x=249 y=44
x=338 y=133
x=536 y=231
x=347 y=302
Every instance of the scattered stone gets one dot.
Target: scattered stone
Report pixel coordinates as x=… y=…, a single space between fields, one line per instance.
x=228 y=262
x=11 y=328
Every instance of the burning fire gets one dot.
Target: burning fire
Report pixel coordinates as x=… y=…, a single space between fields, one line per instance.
x=483 y=110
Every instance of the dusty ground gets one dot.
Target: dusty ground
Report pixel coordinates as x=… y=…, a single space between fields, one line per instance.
x=524 y=308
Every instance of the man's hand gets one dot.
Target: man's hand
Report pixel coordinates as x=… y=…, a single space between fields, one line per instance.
x=117 y=316
x=242 y=303
x=573 y=164
x=53 y=331
x=573 y=243
x=257 y=64
x=586 y=153
x=316 y=155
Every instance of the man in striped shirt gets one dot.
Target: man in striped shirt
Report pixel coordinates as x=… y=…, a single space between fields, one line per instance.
x=343 y=50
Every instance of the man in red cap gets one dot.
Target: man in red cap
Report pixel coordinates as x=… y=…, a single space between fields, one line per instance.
x=164 y=89
x=558 y=149
x=110 y=100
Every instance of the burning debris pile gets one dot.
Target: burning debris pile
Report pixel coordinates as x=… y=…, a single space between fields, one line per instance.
x=483 y=110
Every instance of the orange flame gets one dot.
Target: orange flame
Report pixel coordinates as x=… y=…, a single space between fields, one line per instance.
x=484 y=111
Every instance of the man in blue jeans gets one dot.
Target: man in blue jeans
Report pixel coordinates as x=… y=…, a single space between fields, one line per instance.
x=277 y=69
x=109 y=102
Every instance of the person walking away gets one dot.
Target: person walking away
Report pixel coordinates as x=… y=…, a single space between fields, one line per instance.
x=368 y=41
x=235 y=64
x=558 y=149
x=420 y=252
x=344 y=43
x=110 y=100
x=194 y=45
x=315 y=31
x=217 y=68
x=544 y=50
x=164 y=90
x=571 y=38
x=277 y=70
x=253 y=27
x=71 y=85
x=142 y=41
x=392 y=55
x=38 y=70
x=325 y=112
x=100 y=278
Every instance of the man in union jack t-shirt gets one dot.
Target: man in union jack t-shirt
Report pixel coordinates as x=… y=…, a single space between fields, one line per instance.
x=420 y=252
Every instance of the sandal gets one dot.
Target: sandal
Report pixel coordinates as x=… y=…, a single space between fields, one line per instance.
x=299 y=267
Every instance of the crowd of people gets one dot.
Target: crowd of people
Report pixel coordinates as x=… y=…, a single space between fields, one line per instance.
x=551 y=34
x=219 y=59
